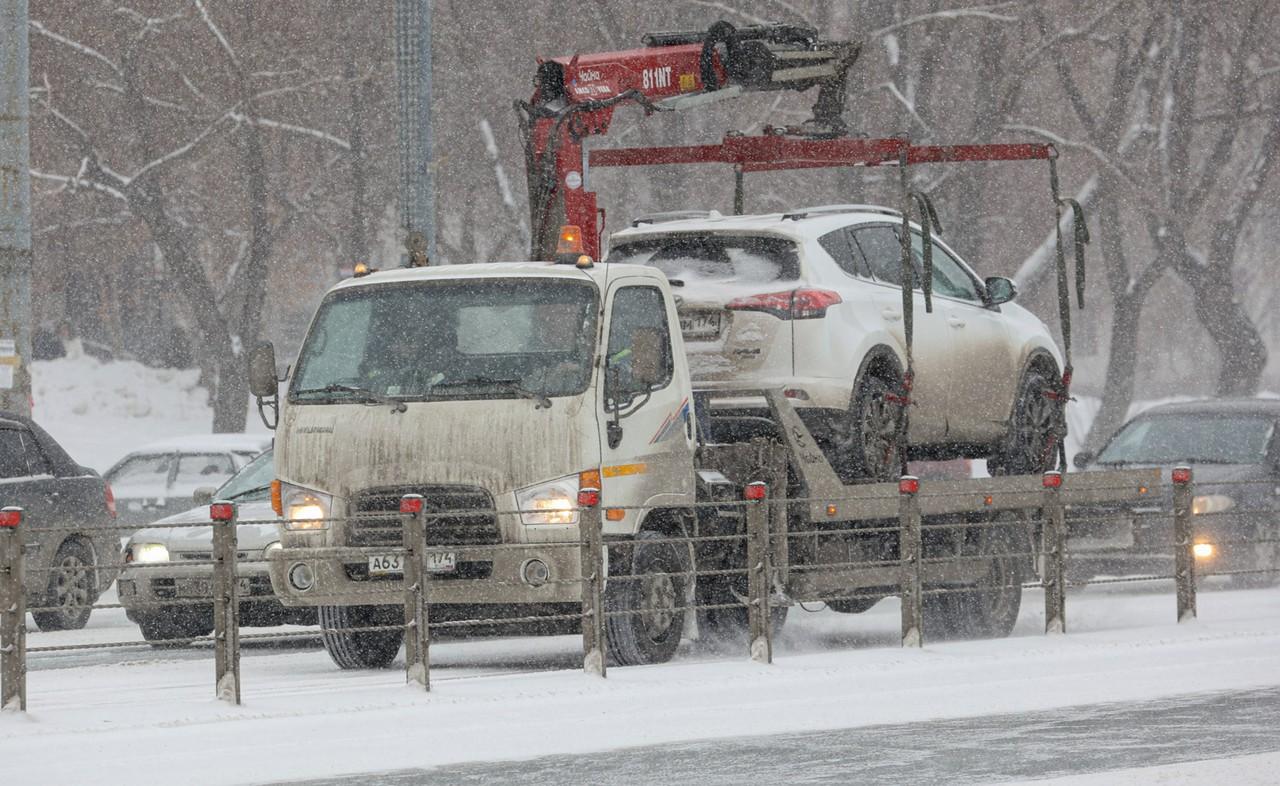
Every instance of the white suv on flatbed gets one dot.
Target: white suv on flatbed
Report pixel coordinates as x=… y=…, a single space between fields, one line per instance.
x=811 y=301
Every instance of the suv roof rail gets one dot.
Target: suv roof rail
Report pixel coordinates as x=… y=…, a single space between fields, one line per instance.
x=673 y=215
x=826 y=210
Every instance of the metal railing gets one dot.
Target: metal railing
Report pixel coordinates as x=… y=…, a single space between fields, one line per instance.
x=939 y=546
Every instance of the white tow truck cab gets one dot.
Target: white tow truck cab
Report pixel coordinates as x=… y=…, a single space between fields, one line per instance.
x=494 y=390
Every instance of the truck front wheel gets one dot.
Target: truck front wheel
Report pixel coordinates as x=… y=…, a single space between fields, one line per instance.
x=652 y=597
x=361 y=649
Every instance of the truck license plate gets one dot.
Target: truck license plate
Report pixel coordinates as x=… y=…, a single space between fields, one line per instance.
x=393 y=564
x=700 y=324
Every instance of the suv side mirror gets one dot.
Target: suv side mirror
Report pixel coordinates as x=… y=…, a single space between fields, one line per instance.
x=203 y=495
x=1001 y=290
x=1083 y=459
x=262 y=371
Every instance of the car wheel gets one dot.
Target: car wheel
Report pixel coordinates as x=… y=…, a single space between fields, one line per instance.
x=652 y=595
x=73 y=587
x=988 y=610
x=866 y=437
x=726 y=628
x=361 y=649
x=173 y=628
x=1031 y=446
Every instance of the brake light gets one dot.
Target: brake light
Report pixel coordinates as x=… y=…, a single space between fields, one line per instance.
x=111 y=501
x=793 y=304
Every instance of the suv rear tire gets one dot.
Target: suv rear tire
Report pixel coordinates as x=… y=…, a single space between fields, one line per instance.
x=866 y=437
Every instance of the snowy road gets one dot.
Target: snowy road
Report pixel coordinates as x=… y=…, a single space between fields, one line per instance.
x=994 y=749
x=526 y=699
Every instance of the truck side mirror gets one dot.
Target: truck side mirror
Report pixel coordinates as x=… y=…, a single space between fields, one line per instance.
x=1001 y=290
x=646 y=358
x=262 y=371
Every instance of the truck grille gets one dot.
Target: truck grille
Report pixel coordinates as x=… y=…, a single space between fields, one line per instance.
x=455 y=515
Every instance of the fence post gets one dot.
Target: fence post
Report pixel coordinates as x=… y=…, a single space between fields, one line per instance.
x=758 y=616
x=1184 y=543
x=1055 y=571
x=13 y=614
x=591 y=571
x=909 y=548
x=226 y=602
x=417 y=640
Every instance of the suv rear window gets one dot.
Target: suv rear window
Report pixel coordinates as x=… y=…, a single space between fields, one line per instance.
x=721 y=258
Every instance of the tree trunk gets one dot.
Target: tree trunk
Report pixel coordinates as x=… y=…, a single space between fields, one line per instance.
x=1242 y=353
x=1122 y=361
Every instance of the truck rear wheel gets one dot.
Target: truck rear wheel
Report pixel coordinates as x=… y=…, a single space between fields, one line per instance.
x=361 y=649
x=728 y=627
x=653 y=595
x=989 y=610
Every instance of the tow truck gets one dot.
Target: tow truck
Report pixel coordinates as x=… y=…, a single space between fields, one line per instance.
x=501 y=392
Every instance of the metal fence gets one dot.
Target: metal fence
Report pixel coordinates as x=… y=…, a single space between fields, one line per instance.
x=919 y=543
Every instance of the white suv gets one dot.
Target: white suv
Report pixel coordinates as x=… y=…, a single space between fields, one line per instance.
x=811 y=301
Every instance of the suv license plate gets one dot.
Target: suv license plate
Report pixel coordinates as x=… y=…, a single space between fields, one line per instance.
x=393 y=564
x=700 y=324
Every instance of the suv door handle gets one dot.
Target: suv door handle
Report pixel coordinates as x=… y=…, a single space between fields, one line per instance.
x=955 y=322
x=891 y=314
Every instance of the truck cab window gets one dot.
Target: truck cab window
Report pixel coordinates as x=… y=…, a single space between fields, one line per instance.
x=639 y=315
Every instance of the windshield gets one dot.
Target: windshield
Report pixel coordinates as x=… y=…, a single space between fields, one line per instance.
x=251 y=484
x=721 y=258
x=479 y=338
x=1196 y=438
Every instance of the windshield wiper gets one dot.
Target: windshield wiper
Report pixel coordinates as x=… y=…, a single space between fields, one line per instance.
x=369 y=396
x=512 y=385
x=247 y=492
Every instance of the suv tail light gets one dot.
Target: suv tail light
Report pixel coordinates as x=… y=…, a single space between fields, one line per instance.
x=792 y=304
x=111 y=500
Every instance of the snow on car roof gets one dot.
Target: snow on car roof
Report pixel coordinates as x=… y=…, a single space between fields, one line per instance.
x=206 y=443
x=595 y=273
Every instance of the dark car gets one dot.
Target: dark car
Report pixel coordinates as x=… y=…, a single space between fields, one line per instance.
x=1234 y=452
x=71 y=555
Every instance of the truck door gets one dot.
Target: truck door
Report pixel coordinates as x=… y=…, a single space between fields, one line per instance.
x=646 y=424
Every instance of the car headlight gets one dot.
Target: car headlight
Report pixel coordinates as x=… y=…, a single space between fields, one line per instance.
x=1211 y=503
x=553 y=502
x=305 y=509
x=147 y=552
x=271 y=548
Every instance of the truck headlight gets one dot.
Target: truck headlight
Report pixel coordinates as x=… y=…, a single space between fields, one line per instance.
x=271 y=548
x=305 y=509
x=553 y=502
x=147 y=553
x=1211 y=503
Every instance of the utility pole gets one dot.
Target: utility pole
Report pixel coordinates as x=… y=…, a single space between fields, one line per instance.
x=413 y=83
x=15 y=211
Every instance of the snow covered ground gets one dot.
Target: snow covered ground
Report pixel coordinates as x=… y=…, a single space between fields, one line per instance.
x=100 y=411
x=149 y=717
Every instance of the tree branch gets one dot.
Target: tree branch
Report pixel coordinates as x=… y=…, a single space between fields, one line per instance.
x=76 y=46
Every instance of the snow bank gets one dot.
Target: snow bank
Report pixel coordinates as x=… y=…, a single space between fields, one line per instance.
x=100 y=411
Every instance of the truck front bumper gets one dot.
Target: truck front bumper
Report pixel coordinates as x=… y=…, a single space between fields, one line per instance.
x=483 y=575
